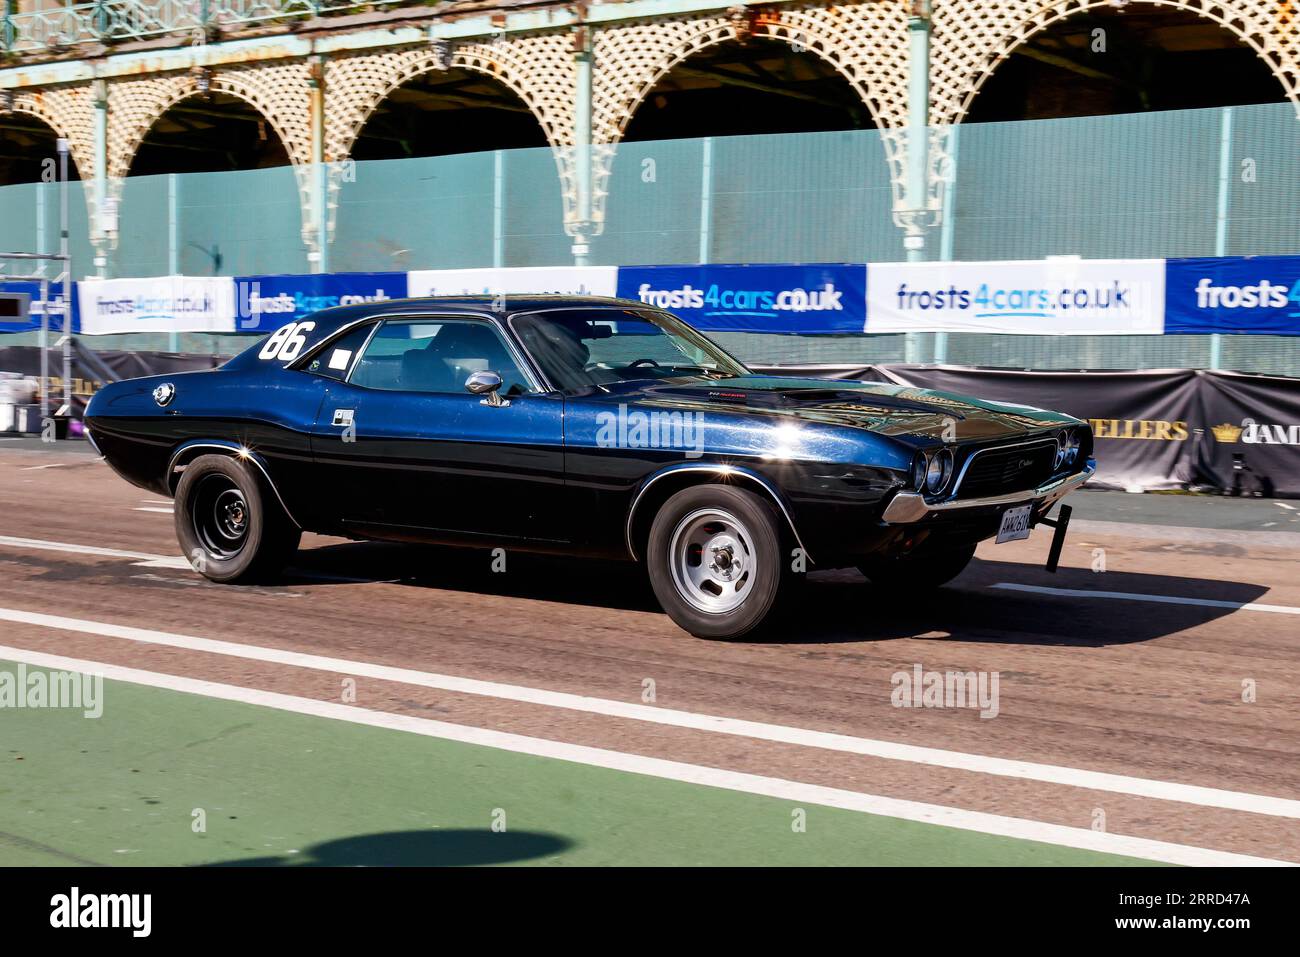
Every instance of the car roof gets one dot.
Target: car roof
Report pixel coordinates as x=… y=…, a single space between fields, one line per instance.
x=498 y=305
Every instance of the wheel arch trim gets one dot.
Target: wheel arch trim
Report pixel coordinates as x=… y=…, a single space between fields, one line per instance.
x=234 y=450
x=716 y=470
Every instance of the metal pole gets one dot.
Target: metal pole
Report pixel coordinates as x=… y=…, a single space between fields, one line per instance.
x=45 y=352
x=706 y=200
x=173 y=245
x=1221 y=215
x=947 y=234
x=498 y=208
x=64 y=147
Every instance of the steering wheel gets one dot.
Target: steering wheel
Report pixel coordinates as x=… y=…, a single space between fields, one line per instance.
x=633 y=365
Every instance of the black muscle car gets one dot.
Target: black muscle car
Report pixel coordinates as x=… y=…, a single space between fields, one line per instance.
x=591 y=426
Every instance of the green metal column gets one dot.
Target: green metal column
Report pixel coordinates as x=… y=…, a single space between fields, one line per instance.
x=918 y=109
x=98 y=229
x=582 y=61
x=319 y=257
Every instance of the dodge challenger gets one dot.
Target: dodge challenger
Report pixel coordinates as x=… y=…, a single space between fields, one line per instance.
x=588 y=426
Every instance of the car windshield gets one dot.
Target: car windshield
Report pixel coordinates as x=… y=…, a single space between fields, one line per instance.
x=582 y=349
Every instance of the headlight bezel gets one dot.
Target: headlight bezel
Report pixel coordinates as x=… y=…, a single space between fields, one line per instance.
x=917 y=475
x=938 y=471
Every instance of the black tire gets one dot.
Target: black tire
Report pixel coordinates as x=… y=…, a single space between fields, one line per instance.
x=751 y=567
x=920 y=571
x=230 y=525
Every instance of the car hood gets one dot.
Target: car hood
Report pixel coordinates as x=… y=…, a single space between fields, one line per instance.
x=883 y=408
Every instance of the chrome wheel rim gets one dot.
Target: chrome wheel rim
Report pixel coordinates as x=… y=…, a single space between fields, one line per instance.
x=712 y=558
x=220 y=516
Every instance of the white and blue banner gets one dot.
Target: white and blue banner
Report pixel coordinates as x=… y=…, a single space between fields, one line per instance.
x=759 y=298
x=160 y=304
x=1055 y=297
x=1040 y=297
x=1259 y=294
x=265 y=303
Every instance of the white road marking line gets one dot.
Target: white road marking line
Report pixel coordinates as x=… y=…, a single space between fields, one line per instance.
x=143 y=559
x=37 y=468
x=978 y=821
x=150 y=508
x=1136 y=596
x=914 y=754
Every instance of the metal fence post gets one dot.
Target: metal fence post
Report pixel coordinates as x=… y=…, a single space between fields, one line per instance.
x=706 y=200
x=1221 y=214
x=173 y=243
x=498 y=208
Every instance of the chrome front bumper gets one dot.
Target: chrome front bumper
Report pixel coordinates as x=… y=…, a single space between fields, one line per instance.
x=908 y=507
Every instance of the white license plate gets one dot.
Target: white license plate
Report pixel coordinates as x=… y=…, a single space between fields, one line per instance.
x=1015 y=524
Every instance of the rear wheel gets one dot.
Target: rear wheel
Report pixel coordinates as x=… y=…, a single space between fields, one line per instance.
x=920 y=570
x=716 y=561
x=229 y=525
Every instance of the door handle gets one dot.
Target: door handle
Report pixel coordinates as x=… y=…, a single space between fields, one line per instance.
x=343 y=417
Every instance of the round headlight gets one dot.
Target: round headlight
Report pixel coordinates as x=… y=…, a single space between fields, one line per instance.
x=918 y=472
x=1062 y=446
x=938 y=471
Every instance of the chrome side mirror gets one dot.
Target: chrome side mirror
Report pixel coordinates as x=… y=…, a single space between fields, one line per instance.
x=486 y=384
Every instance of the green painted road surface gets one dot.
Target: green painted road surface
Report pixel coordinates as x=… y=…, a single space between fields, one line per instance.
x=283 y=789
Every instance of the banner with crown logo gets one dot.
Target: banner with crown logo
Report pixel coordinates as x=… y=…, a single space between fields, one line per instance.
x=1254 y=430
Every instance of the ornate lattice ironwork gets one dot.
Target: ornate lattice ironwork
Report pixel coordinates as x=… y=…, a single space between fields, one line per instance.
x=971 y=37
x=54 y=28
x=279 y=91
x=538 y=68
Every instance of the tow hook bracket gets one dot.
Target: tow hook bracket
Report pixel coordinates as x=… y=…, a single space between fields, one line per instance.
x=1060 y=523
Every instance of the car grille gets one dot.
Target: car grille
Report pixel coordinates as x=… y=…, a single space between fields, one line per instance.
x=997 y=471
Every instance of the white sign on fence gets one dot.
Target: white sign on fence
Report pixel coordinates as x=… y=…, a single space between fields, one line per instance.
x=1053 y=297
x=160 y=304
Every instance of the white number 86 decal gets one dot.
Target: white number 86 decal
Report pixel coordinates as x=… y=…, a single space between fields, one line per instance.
x=286 y=342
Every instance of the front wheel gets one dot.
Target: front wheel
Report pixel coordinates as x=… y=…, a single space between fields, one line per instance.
x=716 y=562
x=920 y=570
x=230 y=529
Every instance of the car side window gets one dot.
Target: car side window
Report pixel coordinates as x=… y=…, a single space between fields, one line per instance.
x=337 y=359
x=436 y=355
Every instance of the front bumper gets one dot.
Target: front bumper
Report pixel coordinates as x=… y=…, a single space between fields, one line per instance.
x=906 y=508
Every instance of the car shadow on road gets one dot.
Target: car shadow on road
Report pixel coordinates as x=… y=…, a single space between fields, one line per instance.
x=842 y=607
x=832 y=607
x=433 y=848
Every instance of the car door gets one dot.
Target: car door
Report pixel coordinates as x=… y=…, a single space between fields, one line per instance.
x=403 y=449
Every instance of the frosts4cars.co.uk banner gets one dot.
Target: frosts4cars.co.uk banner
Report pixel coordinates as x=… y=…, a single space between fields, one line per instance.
x=1059 y=296
x=753 y=298
x=1052 y=297
x=265 y=303
x=161 y=304
x=1258 y=294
